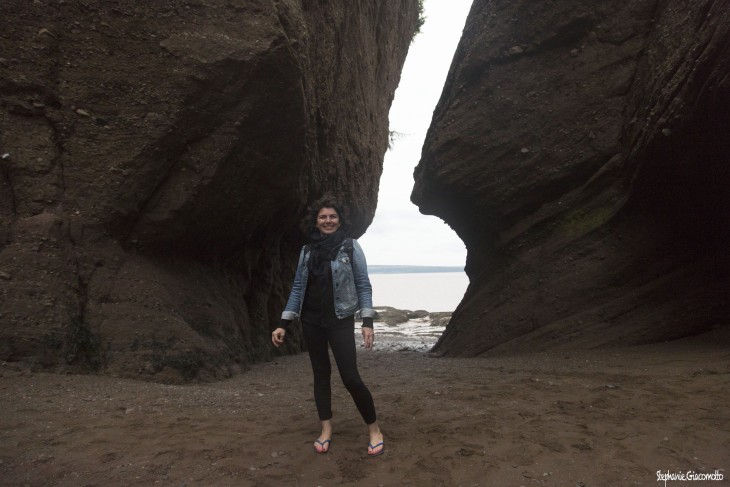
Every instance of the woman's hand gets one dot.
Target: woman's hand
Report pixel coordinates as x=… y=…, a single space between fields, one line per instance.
x=277 y=336
x=368 y=337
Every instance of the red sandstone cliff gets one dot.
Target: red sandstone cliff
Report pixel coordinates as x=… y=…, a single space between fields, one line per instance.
x=156 y=158
x=580 y=150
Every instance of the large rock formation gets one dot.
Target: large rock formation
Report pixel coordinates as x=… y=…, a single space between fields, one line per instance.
x=581 y=152
x=156 y=158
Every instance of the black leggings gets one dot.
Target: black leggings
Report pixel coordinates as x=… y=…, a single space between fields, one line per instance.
x=342 y=341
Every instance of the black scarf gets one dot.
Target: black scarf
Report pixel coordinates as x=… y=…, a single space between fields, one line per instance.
x=323 y=248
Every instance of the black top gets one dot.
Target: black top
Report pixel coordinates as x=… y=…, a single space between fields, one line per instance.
x=318 y=308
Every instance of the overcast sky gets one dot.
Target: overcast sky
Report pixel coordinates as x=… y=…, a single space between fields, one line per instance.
x=400 y=234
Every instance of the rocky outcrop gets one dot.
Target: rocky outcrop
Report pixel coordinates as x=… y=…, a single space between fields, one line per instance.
x=580 y=151
x=156 y=158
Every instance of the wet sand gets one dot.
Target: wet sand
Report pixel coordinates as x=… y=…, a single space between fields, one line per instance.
x=593 y=418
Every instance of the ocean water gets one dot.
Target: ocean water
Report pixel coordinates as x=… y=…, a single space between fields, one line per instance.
x=418 y=335
x=433 y=291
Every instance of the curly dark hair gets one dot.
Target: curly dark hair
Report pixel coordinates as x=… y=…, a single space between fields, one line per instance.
x=309 y=223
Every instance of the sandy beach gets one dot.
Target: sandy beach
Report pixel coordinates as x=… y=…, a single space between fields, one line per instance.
x=590 y=418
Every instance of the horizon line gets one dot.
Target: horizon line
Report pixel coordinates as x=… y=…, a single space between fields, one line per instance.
x=414 y=265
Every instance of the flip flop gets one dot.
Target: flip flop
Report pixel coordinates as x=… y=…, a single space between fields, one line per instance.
x=322 y=446
x=373 y=447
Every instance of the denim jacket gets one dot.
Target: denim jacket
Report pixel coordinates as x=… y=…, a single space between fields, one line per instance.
x=350 y=282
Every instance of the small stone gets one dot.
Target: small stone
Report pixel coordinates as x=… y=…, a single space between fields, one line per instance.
x=274 y=454
x=574 y=52
x=5 y=276
x=6 y=155
x=524 y=150
x=38 y=104
x=82 y=112
x=666 y=132
x=515 y=50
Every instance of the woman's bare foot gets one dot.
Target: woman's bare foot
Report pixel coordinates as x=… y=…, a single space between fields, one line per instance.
x=376 y=446
x=322 y=444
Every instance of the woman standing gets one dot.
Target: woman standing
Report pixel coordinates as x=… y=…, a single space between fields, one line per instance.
x=330 y=285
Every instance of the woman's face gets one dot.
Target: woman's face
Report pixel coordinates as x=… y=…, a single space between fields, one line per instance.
x=328 y=221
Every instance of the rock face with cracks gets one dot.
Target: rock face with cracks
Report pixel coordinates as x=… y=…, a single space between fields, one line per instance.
x=581 y=152
x=156 y=158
